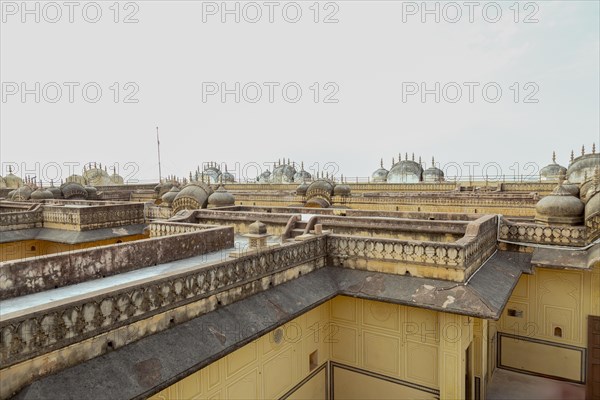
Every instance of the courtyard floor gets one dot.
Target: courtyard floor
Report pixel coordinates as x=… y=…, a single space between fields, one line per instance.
x=508 y=385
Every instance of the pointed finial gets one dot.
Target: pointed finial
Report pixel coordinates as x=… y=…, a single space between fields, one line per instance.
x=583 y=150
x=593 y=148
x=190 y=176
x=10 y=169
x=572 y=155
x=51 y=182
x=381 y=163
x=393 y=162
x=413 y=156
x=420 y=162
x=554 y=157
x=432 y=162
x=302 y=165
x=406 y=156
x=399 y=156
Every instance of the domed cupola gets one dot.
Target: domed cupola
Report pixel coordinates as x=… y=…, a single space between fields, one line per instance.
x=283 y=172
x=211 y=170
x=76 y=179
x=583 y=165
x=559 y=208
x=193 y=196
x=22 y=194
x=221 y=198
x=264 y=177
x=74 y=191
x=433 y=174
x=301 y=189
x=96 y=176
x=342 y=189
x=12 y=181
x=592 y=207
x=551 y=172
x=406 y=171
x=41 y=194
x=319 y=193
x=92 y=192
x=115 y=178
x=56 y=193
x=226 y=176
x=167 y=198
x=302 y=175
x=380 y=175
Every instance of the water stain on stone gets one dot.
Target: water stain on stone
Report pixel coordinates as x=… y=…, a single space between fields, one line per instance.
x=148 y=372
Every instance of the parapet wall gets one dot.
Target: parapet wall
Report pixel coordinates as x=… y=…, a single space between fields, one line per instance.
x=36 y=274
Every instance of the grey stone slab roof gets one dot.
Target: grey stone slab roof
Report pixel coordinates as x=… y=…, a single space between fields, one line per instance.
x=70 y=237
x=149 y=365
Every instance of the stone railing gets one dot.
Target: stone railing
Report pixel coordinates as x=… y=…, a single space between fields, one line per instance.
x=84 y=218
x=36 y=274
x=592 y=225
x=59 y=324
x=163 y=228
x=530 y=232
x=461 y=257
x=21 y=219
x=156 y=212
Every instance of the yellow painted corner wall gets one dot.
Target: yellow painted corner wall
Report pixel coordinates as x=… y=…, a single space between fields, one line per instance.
x=391 y=349
x=393 y=340
x=265 y=368
x=549 y=335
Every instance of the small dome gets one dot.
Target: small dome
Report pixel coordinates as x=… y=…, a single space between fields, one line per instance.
x=221 y=198
x=405 y=171
x=302 y=175
x=264 y=177
x=41 y=194
x=582 y=166
x=117 y=179
x=341 y=190
x=552 y=172
x=9 y=195
x=76 y=179
x=433 y=174
x=572 y=188
x=74 y=191
x=301 y=189
x=592 y=208
x=283 y=173
x=227 y=177
x=193 y=196
x=168 y=197
x=162 y=188
x=380 y=175
x=22 y=194
x=12 y=181
x=92 y=192
x=56 y=193
x=257 y=228
x=560 y=207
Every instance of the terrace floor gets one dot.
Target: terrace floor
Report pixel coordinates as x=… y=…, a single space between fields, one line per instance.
x=509 y=385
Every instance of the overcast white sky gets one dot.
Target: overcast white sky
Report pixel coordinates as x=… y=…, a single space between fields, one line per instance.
x=375 y=53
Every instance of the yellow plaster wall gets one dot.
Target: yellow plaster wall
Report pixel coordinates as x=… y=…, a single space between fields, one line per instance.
x=264 y=369
x=378 y=350
x=33 y=248
x=548 y=299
